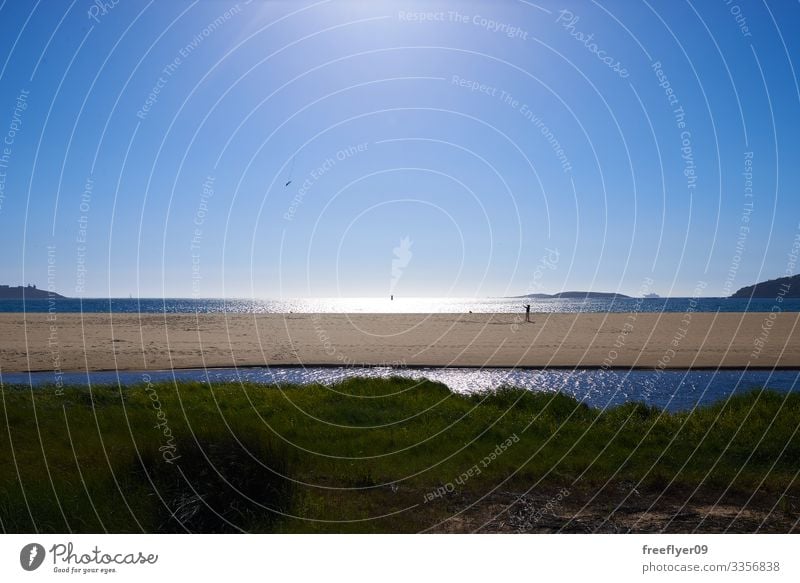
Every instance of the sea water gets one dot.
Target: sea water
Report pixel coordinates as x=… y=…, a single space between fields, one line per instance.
x=387 y=306
x=674 y=390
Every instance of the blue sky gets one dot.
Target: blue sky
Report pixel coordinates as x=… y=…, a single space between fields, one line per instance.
x=489 y=135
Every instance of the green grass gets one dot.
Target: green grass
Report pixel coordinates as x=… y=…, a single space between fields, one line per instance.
x=357 y=457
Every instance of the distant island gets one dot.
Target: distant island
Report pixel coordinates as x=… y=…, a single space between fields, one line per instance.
x=576 y=295
x=652 y=296
x=785 y=287
x=28 y=292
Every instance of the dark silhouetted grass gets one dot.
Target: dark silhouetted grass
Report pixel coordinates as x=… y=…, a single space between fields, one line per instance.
x=360 y=456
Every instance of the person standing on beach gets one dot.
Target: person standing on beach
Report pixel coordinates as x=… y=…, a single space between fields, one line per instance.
x=527 y=312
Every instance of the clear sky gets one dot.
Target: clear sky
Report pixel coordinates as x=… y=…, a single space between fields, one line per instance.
x=434 y=148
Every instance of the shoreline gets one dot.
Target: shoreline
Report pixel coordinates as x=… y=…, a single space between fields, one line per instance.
x=67 y=342
x=423 y=367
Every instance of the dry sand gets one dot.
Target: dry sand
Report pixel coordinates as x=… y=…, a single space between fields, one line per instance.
x=74 y=342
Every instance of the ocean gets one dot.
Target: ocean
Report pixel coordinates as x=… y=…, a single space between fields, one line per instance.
x=387 y=306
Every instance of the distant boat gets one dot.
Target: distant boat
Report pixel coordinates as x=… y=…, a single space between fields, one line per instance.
x=651 y=296
x=576 y=295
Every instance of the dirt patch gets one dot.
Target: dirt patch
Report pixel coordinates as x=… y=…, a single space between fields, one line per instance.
x=578 y=512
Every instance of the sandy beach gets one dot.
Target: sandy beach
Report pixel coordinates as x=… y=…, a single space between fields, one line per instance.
x=74 y=342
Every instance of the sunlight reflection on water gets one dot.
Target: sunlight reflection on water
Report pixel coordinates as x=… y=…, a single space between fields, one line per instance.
x=400 y=305
x=673 y=390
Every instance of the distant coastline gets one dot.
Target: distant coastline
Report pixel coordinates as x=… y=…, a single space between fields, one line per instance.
x=28 y=292
x=780 y=288
x=783 y=287
x=776 y=289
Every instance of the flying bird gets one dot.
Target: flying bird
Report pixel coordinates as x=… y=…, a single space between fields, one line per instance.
x=291 y=170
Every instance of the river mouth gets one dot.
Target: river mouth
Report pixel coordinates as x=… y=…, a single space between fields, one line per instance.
x=672 y=390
